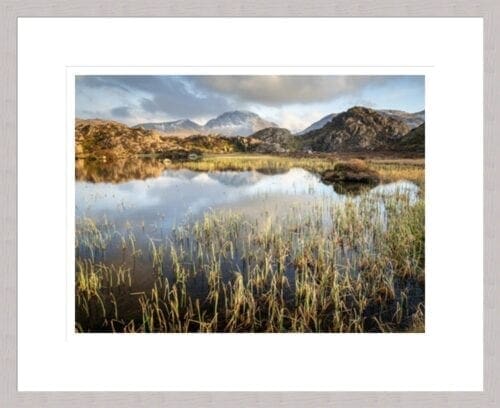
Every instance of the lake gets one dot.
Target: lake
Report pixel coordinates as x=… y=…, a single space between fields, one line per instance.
x=178 y=195
x=191 y=227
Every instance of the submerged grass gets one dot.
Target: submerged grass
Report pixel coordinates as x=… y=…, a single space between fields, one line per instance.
x=322 y=266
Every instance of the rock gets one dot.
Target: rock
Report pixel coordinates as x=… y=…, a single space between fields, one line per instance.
x=275 y=140
x=353 y=171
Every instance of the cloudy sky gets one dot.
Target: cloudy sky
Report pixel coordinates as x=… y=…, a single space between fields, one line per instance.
x=293 y=102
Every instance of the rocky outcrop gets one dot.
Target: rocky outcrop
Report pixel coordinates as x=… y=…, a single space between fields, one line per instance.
x=413 y=141
x=104 y=139
x=353 y=171
x=357 y=129
x=275 y=140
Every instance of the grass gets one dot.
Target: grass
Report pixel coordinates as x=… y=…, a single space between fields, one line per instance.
x=118 y=171
x=357 y=265
x=389 y=169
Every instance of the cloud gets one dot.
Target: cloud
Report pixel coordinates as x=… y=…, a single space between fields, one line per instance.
x=96 y=82
x=298 y=122
x=121 y=112
x=167 y=96
x=287 y=89
x=290 y=101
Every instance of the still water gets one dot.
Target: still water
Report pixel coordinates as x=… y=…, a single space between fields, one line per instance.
x=175 y=196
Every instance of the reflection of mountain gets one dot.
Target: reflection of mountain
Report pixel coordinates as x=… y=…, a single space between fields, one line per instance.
x=227 y=178
x=235 y=178
x=117 y=171
x=178 y=194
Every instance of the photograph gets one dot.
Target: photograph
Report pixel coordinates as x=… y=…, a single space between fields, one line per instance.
x=249 y=203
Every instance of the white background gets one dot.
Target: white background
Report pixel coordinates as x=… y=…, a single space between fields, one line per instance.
x=447 y=357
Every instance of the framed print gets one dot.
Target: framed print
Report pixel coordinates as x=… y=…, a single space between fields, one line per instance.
x=293 y=208
x=240 y=224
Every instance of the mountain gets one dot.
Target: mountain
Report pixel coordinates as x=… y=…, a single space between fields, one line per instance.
x=357 y=129
x=237 y=123
x=319 y=124
x=413 y=141
x=413 y=120
x=181 y=127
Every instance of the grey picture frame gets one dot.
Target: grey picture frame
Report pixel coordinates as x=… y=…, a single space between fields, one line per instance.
x=11 y=10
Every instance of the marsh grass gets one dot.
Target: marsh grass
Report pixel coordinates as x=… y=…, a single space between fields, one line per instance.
x=389 y=169
x=324 y=266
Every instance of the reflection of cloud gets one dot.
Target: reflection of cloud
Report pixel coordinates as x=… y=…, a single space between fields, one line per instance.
x=401 y=187
x=177 y=194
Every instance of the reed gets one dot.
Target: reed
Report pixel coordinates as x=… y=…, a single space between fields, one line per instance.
x=357 y=265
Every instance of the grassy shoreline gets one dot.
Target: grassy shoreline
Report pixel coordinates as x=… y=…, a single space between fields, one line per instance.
x=391 y=168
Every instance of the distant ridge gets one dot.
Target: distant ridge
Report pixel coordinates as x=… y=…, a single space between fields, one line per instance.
x=235 y=123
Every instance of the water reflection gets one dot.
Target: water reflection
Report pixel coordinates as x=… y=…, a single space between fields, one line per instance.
x=176 y=194
x=117 y=171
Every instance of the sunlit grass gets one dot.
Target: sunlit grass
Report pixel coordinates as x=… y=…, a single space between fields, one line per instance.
x=389 y=169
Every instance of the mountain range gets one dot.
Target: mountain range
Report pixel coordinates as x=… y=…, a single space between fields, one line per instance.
x=357 y=130
x=245 y=123
x=235 y=123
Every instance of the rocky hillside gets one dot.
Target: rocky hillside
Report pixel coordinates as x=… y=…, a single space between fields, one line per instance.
x=281 y=138
x=414 y=141
x=95 y=138
x=411 y=119
x=357 y=129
